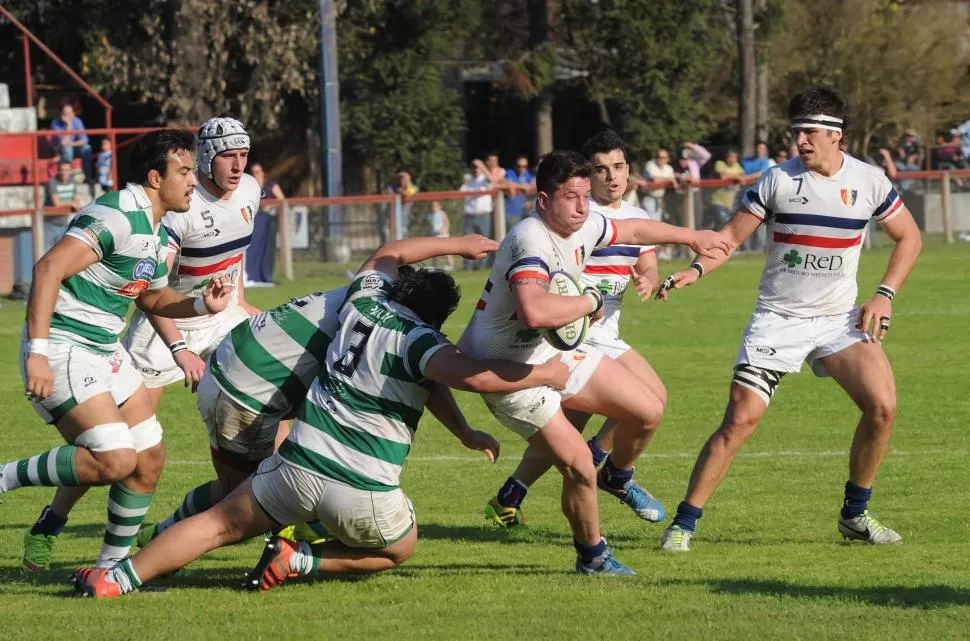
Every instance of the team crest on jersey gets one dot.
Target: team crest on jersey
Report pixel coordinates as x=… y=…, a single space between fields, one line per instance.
x=247 y=213
x=849 y=196
x=580 y=255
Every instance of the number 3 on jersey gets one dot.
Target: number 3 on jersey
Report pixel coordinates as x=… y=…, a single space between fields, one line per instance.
x=347 y=364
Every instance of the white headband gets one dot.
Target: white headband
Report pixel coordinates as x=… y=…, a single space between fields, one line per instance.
x=817 y=121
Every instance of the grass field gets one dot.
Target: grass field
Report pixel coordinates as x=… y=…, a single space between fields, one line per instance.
x=767 y=563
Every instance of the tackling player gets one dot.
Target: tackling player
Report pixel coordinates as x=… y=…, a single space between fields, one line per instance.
x=817 y=207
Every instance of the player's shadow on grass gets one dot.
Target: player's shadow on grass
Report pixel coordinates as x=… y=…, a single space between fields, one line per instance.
x=465 y=569
x=488 y=532
x=924 y=597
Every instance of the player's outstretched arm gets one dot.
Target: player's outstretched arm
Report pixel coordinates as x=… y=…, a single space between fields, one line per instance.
x=652 y=232
x=169 y=303
x=392 y=255
x=737 y=230
x=68 y=257
x=876 y=313
x=453 y=368
x=442 y=404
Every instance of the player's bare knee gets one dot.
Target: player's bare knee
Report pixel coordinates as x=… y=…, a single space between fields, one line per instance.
x=579 y=469
x=881 y=409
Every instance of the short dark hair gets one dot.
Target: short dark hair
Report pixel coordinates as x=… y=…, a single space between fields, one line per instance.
x=603 y=143
x=151 y=152
x=819 y=100
x=558 y=166
x=431 y=294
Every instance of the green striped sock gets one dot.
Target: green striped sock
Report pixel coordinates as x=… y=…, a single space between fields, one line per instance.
x=125 y=576
x=197 y=500
x=50 y=469
x=126 y=513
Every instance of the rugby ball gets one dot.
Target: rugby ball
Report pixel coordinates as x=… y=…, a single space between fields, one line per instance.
x=569 y=336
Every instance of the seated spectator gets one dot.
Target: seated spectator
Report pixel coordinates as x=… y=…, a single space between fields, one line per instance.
x=478 y=209
x=103 y=165
x=910 y=152
x=659 y=170
x=76 y=143
x=54 y=163
x=440 y=228
x=62 y=191
x=521 y=184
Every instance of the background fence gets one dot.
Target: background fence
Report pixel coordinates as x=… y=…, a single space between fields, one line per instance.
x=345 y=229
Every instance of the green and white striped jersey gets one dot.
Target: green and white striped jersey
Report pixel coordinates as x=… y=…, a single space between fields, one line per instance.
x=269 y=362
x=360 y=416
x=93 y=305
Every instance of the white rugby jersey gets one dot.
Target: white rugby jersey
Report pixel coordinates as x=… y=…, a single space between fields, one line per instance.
x=816 y=226
x=609 y=268
x=529 y=250
x=210 y=240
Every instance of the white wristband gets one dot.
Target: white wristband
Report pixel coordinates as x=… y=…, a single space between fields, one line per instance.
x=38 y=346
x=199 y=307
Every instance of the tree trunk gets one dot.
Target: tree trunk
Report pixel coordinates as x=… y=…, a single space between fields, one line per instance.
x=761 y=108
x=747 y=97
x=538 y=34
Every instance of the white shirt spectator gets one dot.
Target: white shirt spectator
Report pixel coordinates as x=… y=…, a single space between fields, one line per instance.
x=656 y=172
x=475 y=205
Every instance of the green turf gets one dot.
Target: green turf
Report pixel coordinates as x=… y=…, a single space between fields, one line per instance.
x=767 y=561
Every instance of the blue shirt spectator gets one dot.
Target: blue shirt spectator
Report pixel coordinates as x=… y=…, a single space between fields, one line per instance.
x=103 y=165
x=758 y=163
x=76 y=143
x=521 y=183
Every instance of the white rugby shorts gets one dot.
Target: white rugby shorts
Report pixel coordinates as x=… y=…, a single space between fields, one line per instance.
x=606 y=341
x=527 y=411
x=150 y=353
x=358 y=518
x=782 y=343
x=233 y=427
x=81 y=374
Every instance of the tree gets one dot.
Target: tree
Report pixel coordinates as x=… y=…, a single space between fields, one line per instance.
x=897 y=65
x=397 y=113
x=657 y=69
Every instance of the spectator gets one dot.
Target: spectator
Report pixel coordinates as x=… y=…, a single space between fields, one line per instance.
x=404 y=186
x=440 y=228
x=521 y=184
x=62 y=191
x=54 y=164
x=910 y=151
x=478 y=209
x=73 y=144
x=692 y=158
x=948 y=154
x=261 y=253
x=723 y=199
x=759 y=163
x=781 y=156
x=658 y=170
x=963 y=131
x=103 y=165
x=496 y=175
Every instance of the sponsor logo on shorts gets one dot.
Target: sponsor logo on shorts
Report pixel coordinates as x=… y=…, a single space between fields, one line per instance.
x=148 y=371
x=89 y=381
x=764 y=351
x=535 y=407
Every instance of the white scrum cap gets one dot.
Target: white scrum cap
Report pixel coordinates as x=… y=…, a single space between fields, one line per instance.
x=217 y=135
